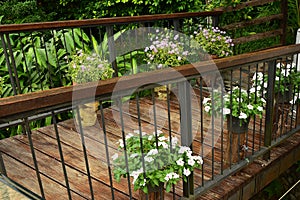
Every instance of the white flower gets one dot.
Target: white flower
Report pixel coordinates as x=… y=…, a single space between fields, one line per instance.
x=129 y=135
x=144 y=183
x=115 y=156
x=207 y=108
x=265 y=85
x=205 y=100
x=148 y=159
x=183 y=149
x=191 y=161
x=162 y=138
x=243 y=116
x=135 y=174
x=226 y=111
x=180 y=162
x=252 y=90
x=186 y=172
x=138 y=132
x=250 y=107
x=198 y=159
x=150 y=137
x=171 y=175
x=121 y=144
x=174 y=140
x=134 y=155
x=259 y=108
x=165 y=145
x=152 y=152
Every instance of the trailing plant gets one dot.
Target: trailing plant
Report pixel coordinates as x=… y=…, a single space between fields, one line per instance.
x=152 y=159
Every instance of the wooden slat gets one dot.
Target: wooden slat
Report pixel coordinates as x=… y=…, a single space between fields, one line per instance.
x=257 y=21
x=257 y=36
x=251 y=3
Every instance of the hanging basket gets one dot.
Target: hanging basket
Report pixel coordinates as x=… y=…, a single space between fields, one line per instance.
x=237 y=125
x=154 y=193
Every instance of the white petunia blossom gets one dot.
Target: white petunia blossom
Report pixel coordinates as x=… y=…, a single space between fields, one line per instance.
x=186 y=172
x=191 y=162
x=207 y=108
x=205 y=100
x=250 y=107
x=180 y=162
x=148 y=159
x=226 y=111
x=115 y=156
x=243 y=115
x=259 y=108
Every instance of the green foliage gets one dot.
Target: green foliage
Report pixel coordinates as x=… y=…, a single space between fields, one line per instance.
x=89 y=67
x=40 y=60
x=250 y=13
x=153 y=160
x=1 y=85
x=16 y=11
x=214 y=41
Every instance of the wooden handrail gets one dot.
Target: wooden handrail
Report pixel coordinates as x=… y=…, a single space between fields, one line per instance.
x=102 y=21
x=57 y=97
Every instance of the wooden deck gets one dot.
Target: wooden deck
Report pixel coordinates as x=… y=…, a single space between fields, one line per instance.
x=18 y=161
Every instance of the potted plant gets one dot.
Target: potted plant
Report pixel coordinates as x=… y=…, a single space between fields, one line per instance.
x=214 y=41
x=237 y=105
x=165 y=50
x=87 y=67
x=286 y=78
x=153 y=160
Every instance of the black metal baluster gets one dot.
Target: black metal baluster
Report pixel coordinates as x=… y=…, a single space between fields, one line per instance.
x=84 y=151
x=28 y=130
x=61 y=154
x=107 y=151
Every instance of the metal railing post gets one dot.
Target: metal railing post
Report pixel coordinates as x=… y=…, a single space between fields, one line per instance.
x=270 y=106
x=184 y=89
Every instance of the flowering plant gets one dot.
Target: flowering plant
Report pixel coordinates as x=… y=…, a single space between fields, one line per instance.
x=286 y=77
x=85 y=68
x=214 y=41
x=153 y=160
x=166 y=50
x=238 y=103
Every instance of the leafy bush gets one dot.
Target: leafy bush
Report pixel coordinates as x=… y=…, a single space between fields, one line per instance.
x=16 y=11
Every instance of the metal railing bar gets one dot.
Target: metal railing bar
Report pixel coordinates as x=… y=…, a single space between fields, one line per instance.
x=61 y=155
x=107 y=151
x=84 y=152
x=124 y=142
x=36 y=168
